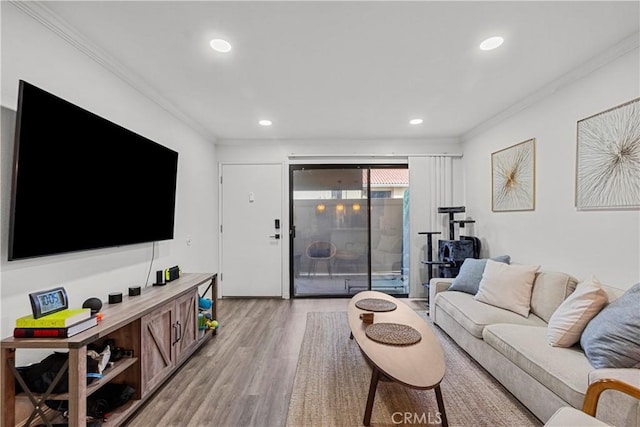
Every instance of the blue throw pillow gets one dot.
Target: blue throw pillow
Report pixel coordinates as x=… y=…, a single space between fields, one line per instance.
x=468 y=279
x=612 y=338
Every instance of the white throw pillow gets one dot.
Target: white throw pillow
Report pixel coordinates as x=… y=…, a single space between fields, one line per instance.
x=507 y=286
x=569 y=320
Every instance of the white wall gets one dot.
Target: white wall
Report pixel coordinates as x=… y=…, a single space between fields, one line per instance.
x=556 y=235
x=35 y=54
x=356 y=152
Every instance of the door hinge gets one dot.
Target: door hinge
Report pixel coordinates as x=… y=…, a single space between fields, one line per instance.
x=221 y=180
x=221 y=228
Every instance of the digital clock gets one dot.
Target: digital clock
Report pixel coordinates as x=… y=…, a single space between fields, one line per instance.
x=47 y=302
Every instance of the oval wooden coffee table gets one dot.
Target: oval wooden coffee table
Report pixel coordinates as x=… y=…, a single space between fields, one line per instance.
x=420 y=366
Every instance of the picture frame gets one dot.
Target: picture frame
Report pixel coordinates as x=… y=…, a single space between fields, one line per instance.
x=607 y=153
x=513 y=178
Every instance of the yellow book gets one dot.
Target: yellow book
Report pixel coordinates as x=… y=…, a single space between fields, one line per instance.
x=60 y=319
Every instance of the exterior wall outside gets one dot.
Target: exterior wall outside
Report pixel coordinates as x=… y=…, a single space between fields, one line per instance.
x=33 y=53
x=604 y=243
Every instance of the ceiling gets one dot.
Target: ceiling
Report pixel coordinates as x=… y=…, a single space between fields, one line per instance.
x=347 y=70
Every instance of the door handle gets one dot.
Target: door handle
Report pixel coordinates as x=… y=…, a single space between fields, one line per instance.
x=275 y=236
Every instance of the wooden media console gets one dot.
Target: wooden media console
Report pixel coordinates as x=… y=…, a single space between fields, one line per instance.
x=160 y=326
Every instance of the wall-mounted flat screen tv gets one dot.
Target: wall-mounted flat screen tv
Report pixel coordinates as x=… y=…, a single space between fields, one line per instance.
x=82 y=182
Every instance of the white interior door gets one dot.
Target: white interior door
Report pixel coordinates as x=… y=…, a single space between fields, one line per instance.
x=251 y=255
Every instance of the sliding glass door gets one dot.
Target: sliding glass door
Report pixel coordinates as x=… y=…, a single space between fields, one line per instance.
x=348 y=230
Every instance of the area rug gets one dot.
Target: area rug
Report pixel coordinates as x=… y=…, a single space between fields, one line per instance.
x=332 y=382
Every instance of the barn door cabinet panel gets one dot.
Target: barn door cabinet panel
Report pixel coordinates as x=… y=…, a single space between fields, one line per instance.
x=158 y=355
x=187 y=325
x=159 y=327
x=169 y=336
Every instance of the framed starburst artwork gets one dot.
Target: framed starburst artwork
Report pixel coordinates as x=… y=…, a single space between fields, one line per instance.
x=513 y=178
x=608 y=159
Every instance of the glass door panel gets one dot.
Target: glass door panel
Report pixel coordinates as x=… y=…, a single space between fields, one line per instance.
x=329 y=212
x=350 y=226
x=389 y=195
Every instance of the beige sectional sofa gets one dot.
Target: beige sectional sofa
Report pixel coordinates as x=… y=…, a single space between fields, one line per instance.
x=514 y=349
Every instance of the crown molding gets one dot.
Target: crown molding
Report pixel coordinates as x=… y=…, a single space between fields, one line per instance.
x=48 y=19
x=609 y=55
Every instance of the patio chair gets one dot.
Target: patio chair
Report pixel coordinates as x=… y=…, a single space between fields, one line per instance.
x=320 y=252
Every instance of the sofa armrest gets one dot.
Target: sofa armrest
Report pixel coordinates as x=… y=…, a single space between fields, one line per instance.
x=596 y=388
x=437 y=284
x=614 y=406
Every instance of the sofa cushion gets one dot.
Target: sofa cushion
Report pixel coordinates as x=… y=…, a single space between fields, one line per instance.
x=564 y=371
x=473 y=316
x=549 y=290
x=612 y=338
x=507 y=286
x=470 y=274
x=572 y=417
x=570 y=319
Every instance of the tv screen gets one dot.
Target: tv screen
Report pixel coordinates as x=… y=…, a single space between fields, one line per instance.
x=82 y=182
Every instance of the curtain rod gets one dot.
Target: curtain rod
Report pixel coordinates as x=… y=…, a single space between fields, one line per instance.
x=371 y=155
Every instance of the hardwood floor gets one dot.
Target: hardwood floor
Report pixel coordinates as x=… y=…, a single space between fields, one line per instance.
x=244 y=375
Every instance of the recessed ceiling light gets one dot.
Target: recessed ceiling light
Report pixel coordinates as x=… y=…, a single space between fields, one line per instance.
x=491 y=43
x=415 y=121
x=265 y=123
x=220 y=45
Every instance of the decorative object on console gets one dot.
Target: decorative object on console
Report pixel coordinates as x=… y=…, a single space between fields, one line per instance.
x=66 y=332
x=171 y=274
x=507 y=286
x=159 y=278
x=94 y=304
x=571 y=317
x=608 y=148
x=612 y=338
x=470 y=275
x=48 y=302
x=513 y=178
x=115 y=297
x=59 y=319
x=204 y=303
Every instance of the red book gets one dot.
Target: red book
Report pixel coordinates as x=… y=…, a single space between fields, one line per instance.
x=55 y=332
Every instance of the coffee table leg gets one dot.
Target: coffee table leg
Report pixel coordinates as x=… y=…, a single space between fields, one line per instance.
x=375 y=375
x=443 y=414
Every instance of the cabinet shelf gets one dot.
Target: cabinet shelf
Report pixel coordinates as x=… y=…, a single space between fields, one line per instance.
x=119 y=367
x=117 y=416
